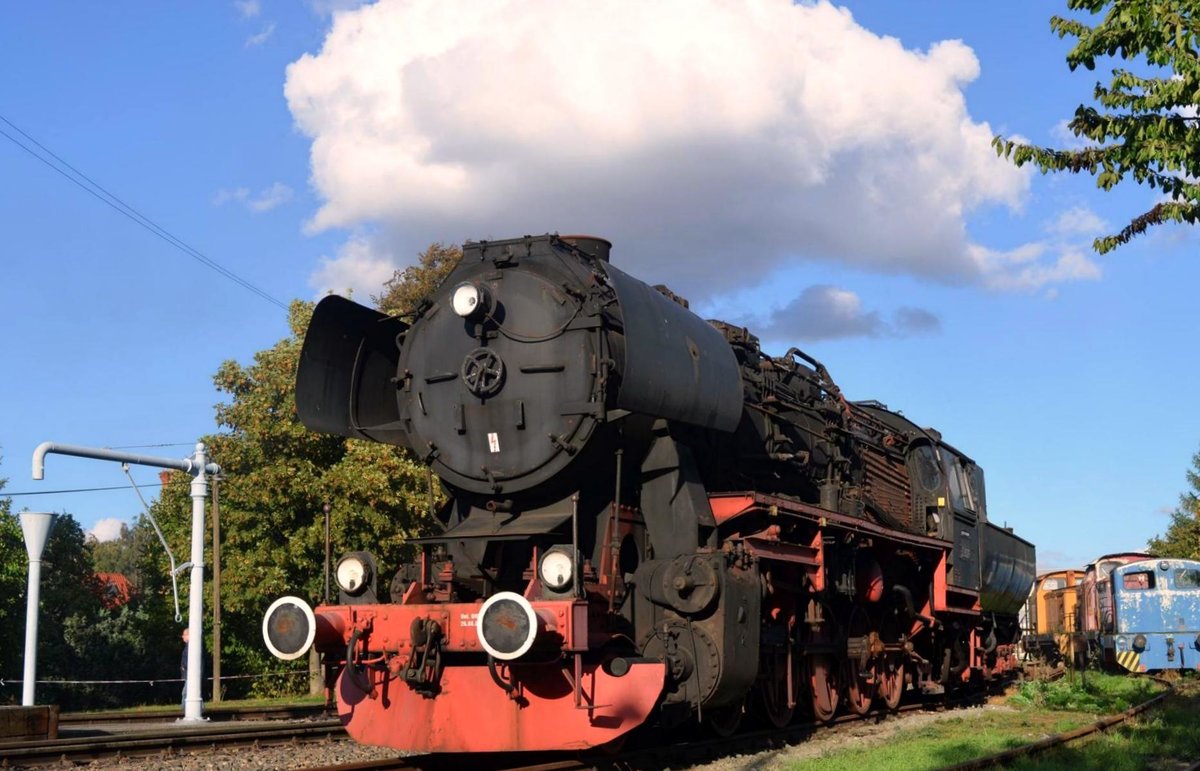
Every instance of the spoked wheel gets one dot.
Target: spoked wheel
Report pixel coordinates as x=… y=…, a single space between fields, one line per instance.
x=891 y=671
x=823 y=684
x=862 y=679
x=771 y=703
x=891 y=680
x=724 y=721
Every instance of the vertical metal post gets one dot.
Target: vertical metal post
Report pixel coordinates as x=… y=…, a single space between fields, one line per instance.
x=326 y=508
x=36 y=528
x=194 y=705
x=575 y=544
x=216 y=590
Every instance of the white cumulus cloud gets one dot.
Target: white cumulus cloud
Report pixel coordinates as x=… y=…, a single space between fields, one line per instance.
x=265 y=200
x=1034 y=265
x=261 y=37
x=1078 y=221
x=248 y=8
x=108 y=529
x=359 y=269
x=695 y=134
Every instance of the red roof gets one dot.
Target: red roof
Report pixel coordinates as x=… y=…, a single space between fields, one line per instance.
x=114 y=589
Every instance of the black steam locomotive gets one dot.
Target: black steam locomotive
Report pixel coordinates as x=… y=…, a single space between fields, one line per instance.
x=649 y=520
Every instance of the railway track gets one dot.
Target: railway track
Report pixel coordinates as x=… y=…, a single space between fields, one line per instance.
x=158 y=742
x=644 y=755
x=1061 y=739
x=74 y=720
x=234 y=730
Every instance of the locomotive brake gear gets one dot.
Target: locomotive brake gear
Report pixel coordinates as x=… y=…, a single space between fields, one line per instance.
x=423 y=670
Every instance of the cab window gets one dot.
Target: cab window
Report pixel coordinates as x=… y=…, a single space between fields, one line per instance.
x=928 y=473
x=1138 y=581
x=960 y=485
x=1187 y=578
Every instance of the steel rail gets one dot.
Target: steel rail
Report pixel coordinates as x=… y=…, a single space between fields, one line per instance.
x=214 y=714
x=1061 y=739
x=157 y=742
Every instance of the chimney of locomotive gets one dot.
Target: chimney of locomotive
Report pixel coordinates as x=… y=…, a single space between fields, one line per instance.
x=590 y=245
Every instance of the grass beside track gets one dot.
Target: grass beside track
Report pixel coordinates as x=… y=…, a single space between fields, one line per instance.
x=1037 y=710
x=1163 y=738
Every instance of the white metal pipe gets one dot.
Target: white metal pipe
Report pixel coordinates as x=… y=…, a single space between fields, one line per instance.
x=31 y=632
x=45 y=448
x=193 y=707
x=36 y=528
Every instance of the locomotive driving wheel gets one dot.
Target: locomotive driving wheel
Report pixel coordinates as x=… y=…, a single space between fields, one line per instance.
x=891 y=673
x=823 y=685
x=862 y=668
x=891 y=680
x=773 y=703
x=724 y=721
x=821 y=669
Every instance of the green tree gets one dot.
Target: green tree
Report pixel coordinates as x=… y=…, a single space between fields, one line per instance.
x=123 y=553
x=278 y=475
x=12 y=595
x=1145 y=127
x=405 y=290
x=1182 y=538
x=69 y=599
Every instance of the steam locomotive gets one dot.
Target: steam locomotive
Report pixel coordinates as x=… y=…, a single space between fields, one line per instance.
x=649 y=521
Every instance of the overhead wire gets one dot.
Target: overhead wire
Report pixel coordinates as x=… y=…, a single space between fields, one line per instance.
x=75 y=490
x=111 y=200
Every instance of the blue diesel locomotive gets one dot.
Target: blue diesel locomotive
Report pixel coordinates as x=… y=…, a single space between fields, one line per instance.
x=1155 y=620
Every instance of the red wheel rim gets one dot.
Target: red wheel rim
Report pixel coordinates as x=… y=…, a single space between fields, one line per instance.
x=891 y=687
x=824 y=686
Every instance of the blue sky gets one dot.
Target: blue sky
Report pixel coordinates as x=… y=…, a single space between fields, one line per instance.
x=822 y=177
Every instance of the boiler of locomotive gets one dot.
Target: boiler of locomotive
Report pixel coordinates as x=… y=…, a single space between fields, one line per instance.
x=501 y=378
x=509 y=373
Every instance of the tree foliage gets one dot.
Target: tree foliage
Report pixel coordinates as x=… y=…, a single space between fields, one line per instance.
x=12 y=592
x=1145 y=125
x=1182 y=538
x=124 y=554
x=405 y=290
x=278 y=476
x=70 y=603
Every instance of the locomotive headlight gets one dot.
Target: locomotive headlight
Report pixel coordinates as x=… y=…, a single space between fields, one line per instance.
x=353 y=573
x=468 y=300
x=557 y=569
x=1120 y=643
x=1139 y=642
